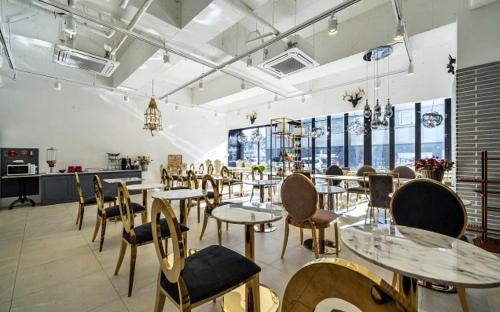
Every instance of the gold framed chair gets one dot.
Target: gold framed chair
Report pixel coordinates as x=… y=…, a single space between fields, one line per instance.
x=135 y=236
x=201 y=169
x=380 y=186
x=212 y=200
x=87 y=201
x=230 y=182
x=341 y=279
x=110 y=213
x=257 y=174
x=203 y=276
x=192 y=183
x=192 y=167
x=210 y=169
x=404 y=172
x=168 y=181
x=362 y=188
x=300 y=199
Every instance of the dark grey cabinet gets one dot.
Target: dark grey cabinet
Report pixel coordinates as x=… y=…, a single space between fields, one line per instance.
x=61 y=188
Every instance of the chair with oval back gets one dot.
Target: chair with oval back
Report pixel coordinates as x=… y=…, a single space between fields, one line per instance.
x=192 y=280
x=87 y=201
x=210 y=169
x=404 y=172
x=192 y=167
x=341 y=279
x=192 y=183
x=300 y=199
x=256 y=174
x=380 y=187
x=362 y=188
x=430 y=205
x=229 y=180
x=334 y=170
x=168 y=181
x=212 y=201
x=201 y=168
x=135 y=236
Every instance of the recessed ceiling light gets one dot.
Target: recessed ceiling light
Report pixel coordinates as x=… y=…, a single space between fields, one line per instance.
x=332 y=25
x=399 y=35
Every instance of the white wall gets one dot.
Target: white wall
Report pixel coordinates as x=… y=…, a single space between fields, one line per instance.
x=85 y=123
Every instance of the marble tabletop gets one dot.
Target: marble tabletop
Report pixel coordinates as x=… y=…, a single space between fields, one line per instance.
x=145 y=186
x=325 y=189
x=249 y=213
x=353 y=178
x=424 y=255
x=261 y=182
x=126 y=180
x=179 y=194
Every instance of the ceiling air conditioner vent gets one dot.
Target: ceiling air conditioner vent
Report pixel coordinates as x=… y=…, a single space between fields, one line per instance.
x=83 y=60
x=287 y=63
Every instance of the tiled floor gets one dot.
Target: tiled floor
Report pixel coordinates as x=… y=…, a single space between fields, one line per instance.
x=46 y=264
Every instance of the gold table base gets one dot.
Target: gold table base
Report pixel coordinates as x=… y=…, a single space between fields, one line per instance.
x=327 y=249
x=235 y=301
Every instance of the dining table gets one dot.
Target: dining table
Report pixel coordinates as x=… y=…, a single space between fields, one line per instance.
x=419 y=255
x=181 y=195
x=354 y=178
x=262 y=184
x=249 y=214
x=126 y=180
x=332 y=192
x=145 y=188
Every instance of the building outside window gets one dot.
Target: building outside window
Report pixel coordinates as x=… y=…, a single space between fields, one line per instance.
x=305 y=144
x=380 y=148
x=433 y=138
x=356 y=143
x=337 y=140
x=232 y=147
x=404 y=135
x=321 y=145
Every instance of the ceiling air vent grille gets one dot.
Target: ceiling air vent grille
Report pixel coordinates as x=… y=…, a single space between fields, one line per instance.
x=82 y=60
x=288 y=62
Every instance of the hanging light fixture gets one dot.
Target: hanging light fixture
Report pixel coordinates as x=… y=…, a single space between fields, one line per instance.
x=70 y=26
x=152 y=115
x=356 y=127
x=166 y=59
x=400 y=31
x=332 y=25
x=200 y=85
x=317 y=132
x=432 y=119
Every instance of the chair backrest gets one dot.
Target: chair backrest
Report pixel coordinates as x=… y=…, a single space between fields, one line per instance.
x=224 y=172
x=192 y=167
x=126 y=213
x=166 y=179
x=429 y=205
x=172 y=271
x=381 y=185
x=210 y=169
x=299 y=197
x=306 y=174
x=79 y=190
x=192 y=180
x=99 y=195
x=340 y=279
x=334 y=170
x=201 y=168
x=405 y=172
x=362 y=171
x=256 y=170
x=214 y=202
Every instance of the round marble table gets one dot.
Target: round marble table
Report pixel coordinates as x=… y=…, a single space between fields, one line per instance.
x=249 y=214
x=329 y=190
x=144 y=188
x=181 y=195
x=415 y=254
x=262 y=184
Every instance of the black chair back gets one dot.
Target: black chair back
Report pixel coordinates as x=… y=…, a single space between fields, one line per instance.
x=334 y=170
x=429 y=205
x=362 y=172
x=381 y=185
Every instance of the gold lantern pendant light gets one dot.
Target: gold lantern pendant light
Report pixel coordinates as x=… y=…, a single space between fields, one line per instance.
x=152 y=115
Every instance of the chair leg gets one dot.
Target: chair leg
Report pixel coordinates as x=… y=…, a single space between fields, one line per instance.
x=133 y=256
x=96 y=229
x=463 y=299
x=198 y=210
x=219 y=232
x=336 y=229
x=285 y=238
x=160 y=299
x=103 y=232
x=204 y=227
x=251 y=196
x=315 y=244
x=301 y=236
x=123 y=249
x=347 y=200
x=80 y=216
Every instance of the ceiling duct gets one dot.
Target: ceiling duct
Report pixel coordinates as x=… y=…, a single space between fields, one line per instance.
x=82 y=60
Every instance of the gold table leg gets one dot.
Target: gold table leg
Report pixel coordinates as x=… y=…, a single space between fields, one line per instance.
x=267 y=227
x=144 y=216
x=407 y=287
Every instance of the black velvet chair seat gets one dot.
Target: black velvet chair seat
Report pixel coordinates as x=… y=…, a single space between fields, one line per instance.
x=114 y=211
x=211 y=271
x=358 y=189
x=210 y=194
x=143 y=232
x=91 y=200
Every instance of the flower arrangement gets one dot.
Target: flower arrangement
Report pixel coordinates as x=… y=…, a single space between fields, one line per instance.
x=433 y=168
x=252 y=116
x=261 y=166
x=144 y=159
x=299 y=165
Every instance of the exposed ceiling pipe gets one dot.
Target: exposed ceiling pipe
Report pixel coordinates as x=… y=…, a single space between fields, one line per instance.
x=138 y=15
x=6 y=51
x=240 y=5
x=396 y=4
x=279 y=37
x=260 y=37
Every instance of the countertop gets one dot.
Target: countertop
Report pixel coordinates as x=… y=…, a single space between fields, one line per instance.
x=48 y=174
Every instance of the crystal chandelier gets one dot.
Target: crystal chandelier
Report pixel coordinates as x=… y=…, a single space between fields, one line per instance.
x=152 y=115
x=317 y=132
x=432 y=119
x=377 y=119
x=356 y=127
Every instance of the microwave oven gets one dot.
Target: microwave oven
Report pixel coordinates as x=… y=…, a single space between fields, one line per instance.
x=21 y=169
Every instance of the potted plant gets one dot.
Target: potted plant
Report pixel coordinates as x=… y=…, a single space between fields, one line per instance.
x=433 y=168
x=144 y=161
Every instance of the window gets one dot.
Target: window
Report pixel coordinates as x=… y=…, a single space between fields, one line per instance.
x=356 y=143
x=432 y=138
x=250 y=150
x=305 y=144
x=380 y=148
x=404 y=135
x=232 y=149
x=321 y=145
x=337 y=140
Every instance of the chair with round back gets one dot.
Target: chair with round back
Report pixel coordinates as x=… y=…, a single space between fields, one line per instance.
x=192 y=183
x=256 y=174
x=300 y=199
x=212 y=200
x=210 y=169
x=200 y=277
x=380 y=187
x=362 y=188
x=201 y=169
x=341 y=279
x=334 y=170
x=404 y=172
x=192 y=167
x=168 y=181
x=229 y=180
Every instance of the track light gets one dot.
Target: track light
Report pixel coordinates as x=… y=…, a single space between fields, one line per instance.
x=269 y=105
x=57 y=85
x=176 y=108
x=70 y=26
x=303 y=99
x=200 y=85
x=238 y=112
x=333 y=25
x=243 y=85
x=377 y=84
x=126 y=98
x=410 y=71
x=166 y=59
x=400 y=31
x=276 y=98
x=249 y=61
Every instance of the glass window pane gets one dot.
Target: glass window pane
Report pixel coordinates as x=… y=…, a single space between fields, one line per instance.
x=433 y=138
x=380 y=148
x=262 y=145
x=305 y=144
x=321 y=145
x=404 y=135
x=232 y=147
x=250 y=147
x=337 y=137
x=356 y=143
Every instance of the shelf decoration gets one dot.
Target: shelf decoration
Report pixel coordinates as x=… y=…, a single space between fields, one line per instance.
x=51 y=158
x=144 y=161
x=433 y=168
x=252 y=116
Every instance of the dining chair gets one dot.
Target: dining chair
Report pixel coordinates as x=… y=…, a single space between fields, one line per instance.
x=192 y=183
x=210 y=169
x=379 y=189
x=212 y=201
x=430 y=205
x=404 y=172
x=229 y=180
x=135 y=236
x=362 y=188
x=192 y=167
x=110 y=213
x=87 y=201
x=192 y=280
x=257 y=174
x=300 y=199
x=341 y=279
x=168 y=181
x=201 y=169
x=334 y=170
